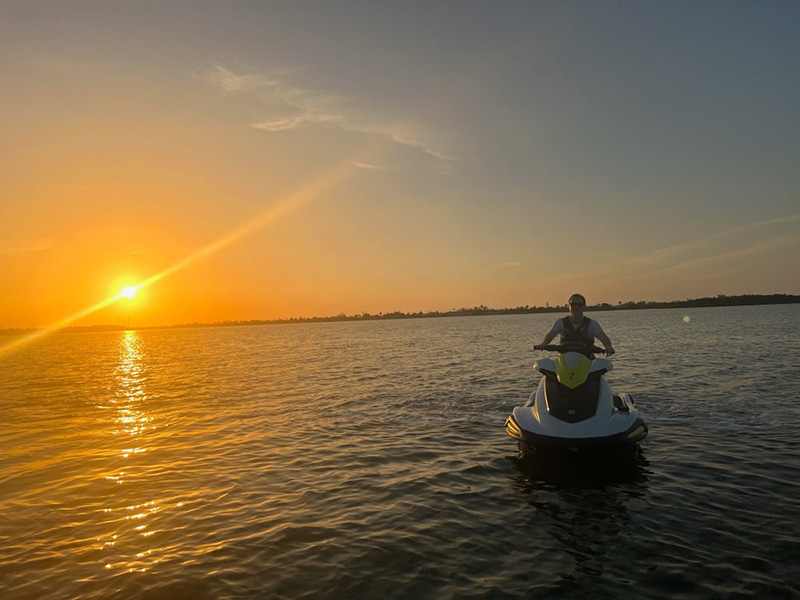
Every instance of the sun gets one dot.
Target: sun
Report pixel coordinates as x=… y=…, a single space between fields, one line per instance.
x=129 y=291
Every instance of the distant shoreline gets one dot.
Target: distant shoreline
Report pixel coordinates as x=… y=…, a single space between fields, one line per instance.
x=717 y=301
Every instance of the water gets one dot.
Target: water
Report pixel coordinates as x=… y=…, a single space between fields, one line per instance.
x=369 y=460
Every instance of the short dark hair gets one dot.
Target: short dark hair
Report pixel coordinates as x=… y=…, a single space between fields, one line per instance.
x=577 y=296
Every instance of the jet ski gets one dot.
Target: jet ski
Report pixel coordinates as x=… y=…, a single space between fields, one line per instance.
x=573 y=408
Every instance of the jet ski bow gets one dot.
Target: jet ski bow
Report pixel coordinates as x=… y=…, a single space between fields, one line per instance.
x=573 y=407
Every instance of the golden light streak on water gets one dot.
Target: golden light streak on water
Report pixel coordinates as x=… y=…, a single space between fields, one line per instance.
x=323 y=184
x=130 y=552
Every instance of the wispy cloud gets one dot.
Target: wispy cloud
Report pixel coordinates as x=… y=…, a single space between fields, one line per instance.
x=231 y=83
x=690 y=256
x=502 y=267
x=759 y=248
x=25 y=248
x=292 y=106
x=669 y=251
x=281 y=124
x=362 y=165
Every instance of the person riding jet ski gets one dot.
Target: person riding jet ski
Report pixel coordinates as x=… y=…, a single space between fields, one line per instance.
x=573 y=407
x=578 y=329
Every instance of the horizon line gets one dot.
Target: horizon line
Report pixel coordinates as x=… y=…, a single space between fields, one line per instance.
x=482 y=310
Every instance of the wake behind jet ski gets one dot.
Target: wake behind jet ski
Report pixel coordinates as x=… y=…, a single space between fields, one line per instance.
x=573 y=408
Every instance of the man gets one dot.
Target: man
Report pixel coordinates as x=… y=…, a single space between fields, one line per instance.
x=577 y=328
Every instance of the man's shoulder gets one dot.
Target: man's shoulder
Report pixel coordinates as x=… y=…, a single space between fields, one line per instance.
x=594 y=325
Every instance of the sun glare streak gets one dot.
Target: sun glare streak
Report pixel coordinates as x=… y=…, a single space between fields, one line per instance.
x=272 y=214
x=300 y=198
x=65 y=322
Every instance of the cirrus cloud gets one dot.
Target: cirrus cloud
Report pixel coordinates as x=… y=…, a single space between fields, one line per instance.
x=291 y=106
x=25 y=248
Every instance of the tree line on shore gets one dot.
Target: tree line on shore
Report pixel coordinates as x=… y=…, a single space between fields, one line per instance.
x=720 y=300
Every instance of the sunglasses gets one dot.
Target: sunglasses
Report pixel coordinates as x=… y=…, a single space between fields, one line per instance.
x=577 y=304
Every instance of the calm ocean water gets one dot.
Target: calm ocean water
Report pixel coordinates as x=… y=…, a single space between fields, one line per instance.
x=369 y=460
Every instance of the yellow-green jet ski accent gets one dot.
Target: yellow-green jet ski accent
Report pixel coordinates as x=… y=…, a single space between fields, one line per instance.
x=572 y=377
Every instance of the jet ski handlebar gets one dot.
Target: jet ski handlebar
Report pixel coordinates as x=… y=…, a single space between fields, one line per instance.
x=561 y=348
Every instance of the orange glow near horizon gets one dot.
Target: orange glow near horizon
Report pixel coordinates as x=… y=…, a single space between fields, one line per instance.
x=323 y=184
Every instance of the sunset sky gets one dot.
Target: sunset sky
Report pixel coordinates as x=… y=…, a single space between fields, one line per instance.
x=256 y=160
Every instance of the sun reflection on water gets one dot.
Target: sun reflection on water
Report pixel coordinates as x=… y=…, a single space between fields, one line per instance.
x=130 y=394
x=128 y=544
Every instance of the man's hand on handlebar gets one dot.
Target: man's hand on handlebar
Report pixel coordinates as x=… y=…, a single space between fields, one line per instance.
x=574 y=348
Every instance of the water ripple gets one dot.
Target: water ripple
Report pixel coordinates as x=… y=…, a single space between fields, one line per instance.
x=369 y=460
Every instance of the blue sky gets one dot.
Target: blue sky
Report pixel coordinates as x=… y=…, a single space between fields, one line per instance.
x=503 y=153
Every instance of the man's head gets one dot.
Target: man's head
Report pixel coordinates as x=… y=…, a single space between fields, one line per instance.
x=576 y=304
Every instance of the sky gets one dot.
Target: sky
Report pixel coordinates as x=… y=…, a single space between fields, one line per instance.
x=258 y=160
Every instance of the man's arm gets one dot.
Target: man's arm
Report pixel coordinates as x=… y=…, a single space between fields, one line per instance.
x=549 y=337
x=606 y=343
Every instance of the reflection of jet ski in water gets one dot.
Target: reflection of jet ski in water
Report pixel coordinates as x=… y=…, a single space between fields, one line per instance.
x=573 y=407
